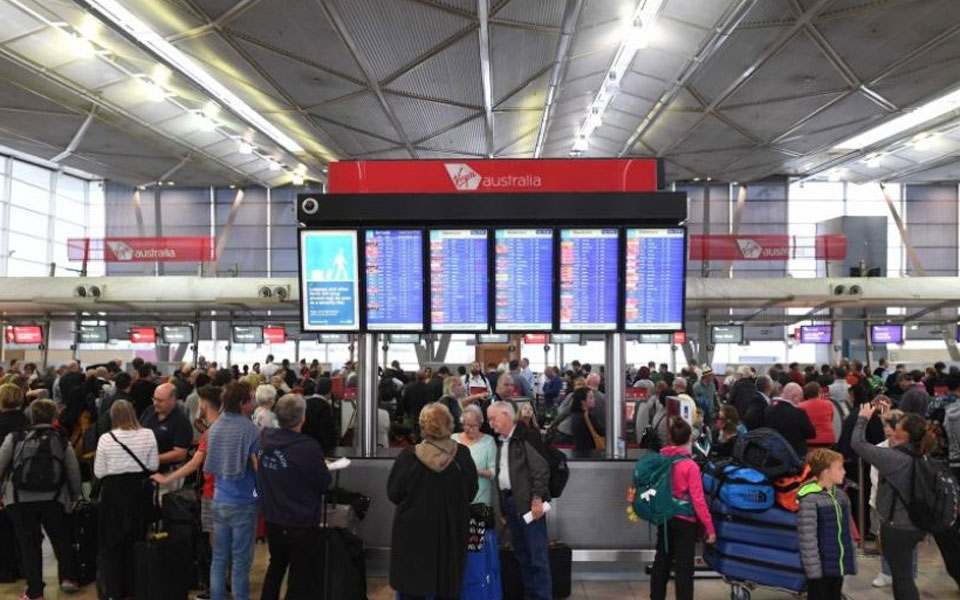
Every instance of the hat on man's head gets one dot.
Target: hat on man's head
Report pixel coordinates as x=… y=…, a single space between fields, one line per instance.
x=707 y=371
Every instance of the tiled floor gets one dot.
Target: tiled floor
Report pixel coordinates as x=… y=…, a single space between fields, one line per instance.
x=932 y=581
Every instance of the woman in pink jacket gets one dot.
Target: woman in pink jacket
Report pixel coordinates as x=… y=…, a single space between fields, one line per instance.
x=682 y=531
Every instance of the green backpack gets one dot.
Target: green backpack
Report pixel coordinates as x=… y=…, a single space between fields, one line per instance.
x=653 y=499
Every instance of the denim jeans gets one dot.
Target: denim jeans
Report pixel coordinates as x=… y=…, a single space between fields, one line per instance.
x=530 y=546
x=234 y=528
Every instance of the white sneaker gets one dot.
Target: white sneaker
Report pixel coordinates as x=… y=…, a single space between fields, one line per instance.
x=882 y=580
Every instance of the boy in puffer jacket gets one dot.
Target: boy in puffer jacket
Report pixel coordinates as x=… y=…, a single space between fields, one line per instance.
x=823 y=526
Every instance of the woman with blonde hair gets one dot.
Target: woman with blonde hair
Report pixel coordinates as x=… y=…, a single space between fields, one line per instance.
x=126 y=456
x=12 y=417
x=432 y=484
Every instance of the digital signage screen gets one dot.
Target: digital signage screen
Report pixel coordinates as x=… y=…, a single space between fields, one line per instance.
x=565 y=338
x=247 y=334
x=92 y=334
x=816 y=334
x=394 y=279
x=24 y=334
x=333 y=338
x=589 y=275
x=493 y=338
x=404 y=338
x=177 y=334
x=654 y=338
x=329 y=281
x=523 y=276
x=459 y=278
x=143 y=335
x=275 y=335
x=886 y=334
x=726 y=334
x=654 y=279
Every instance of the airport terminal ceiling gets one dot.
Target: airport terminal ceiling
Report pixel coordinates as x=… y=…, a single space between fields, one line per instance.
x=214 y=92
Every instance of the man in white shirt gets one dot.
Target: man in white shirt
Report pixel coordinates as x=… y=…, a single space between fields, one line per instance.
x=269 y=369
x=474 y=382
x=523 y=477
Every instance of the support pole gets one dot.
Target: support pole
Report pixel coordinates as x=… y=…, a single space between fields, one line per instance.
x=367 y=395
x=75 y=347
x=46 y=345
x=616 y=384
x=196 y=340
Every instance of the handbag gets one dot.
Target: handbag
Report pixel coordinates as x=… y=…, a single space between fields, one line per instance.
x=148 y=487
x=599 y=441
x=481 y=517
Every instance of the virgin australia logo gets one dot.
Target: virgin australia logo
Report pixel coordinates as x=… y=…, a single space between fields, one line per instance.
x=121 y=250
x=463 y=177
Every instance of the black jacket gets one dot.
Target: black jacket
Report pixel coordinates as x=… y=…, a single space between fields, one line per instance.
x=435 y=389
x=319 y=424
x=292 y=478
x=431 y=523
x=582 y=440
x=750 y=404
x=792 y=423
x=12 y=420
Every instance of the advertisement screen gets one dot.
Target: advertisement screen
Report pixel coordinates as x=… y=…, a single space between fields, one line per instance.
x=886 y=334
x=177 y=334
x=394 y=279
x=589 y=271
x=726 y=334
x=654 y=286
x=816 y=334
x=143 y=335
x=24 y=334
x=247 y=334
x=329 y=281
x=92 y=334
x=458 y=280
x=275 y=335
x=523 y=275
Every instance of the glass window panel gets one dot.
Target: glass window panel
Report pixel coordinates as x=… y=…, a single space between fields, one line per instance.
x=28 y=173
x=26 y=247
x=65 y=230
x=70 y=187
x=69 y=210
x=28 y=221
x=23 y=268
x=30 y=196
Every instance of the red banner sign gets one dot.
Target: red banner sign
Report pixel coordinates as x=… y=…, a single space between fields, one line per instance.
x=23 y=334
x=536 y=338
x=275 y=335
x=679 y=337
x=492 y=176
x=767 y=247
x=142 y=249
x=143 y=335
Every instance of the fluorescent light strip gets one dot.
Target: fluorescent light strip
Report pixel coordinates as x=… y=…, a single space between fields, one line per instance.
x=636 y=31
x=928 y=112
x=121 y=17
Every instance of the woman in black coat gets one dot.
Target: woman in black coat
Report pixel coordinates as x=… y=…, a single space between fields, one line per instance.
x=582 y=405
x=432 y=485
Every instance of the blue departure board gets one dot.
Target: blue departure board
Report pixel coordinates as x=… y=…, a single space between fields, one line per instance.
x=394 y=281
x=589 y=264
x=523 y=272
x=655 y=271
x=458 y=280
x=329 y=281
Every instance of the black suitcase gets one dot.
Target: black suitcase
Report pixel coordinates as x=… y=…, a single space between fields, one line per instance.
x=156 y=562
x=181 y=520
x=86 y=522
x=561 y=559
x=9 y=550
x=342 y=565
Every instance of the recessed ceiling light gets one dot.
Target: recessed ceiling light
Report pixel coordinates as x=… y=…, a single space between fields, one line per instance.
x=244 y=147
x=273 y=165
x=297 y=179
x=928 y=112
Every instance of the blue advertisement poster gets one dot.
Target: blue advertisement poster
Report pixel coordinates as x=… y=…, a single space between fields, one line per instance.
x=328 y=268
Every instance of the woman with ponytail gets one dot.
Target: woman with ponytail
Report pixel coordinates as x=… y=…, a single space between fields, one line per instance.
x=899 y=536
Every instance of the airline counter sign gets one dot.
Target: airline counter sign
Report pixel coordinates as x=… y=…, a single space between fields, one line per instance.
x=493 y=176
x=142 y=249
x=776 y=247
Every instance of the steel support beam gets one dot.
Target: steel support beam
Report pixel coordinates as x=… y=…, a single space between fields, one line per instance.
x=224 y=236
x=483 y=15
x=366 y=421
x=616 y=352
x=77 y=137
x=571 y=16
x=735 y=224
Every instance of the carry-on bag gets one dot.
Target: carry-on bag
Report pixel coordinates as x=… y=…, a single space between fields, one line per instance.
x=161 y=565
x=739 y=487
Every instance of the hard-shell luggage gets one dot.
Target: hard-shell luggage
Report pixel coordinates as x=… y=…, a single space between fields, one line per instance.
x=181 y=520
x=772 y=516
x=737 y=570
x=85 y=520
x=156 y=560
x=561 y=562
x=757 y=535
x=759 y=554
x=739 y=487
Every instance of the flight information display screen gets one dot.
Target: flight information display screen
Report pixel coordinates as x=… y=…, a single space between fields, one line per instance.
x=886 y=334
x=726 y=334
x=458 y=280
x=816 y=334
x=329 y=281
x=93 y=334
x=394 y=279
x=655 y=271
x=523 y=272
x=589 y=265
x=177 y=334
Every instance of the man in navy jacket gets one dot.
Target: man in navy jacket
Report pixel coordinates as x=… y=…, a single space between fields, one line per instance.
x=292 y=479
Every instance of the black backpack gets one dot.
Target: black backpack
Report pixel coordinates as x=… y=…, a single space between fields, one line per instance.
x=38 y=464
x=934 y=494
x=767 y=451
x=557 y=461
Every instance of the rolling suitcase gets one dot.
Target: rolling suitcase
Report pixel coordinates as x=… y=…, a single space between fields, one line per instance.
x=161 y=564
x=181 y=520
x=759 y=554
x=561 y=559
x=738 y=570
x=85 y=521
